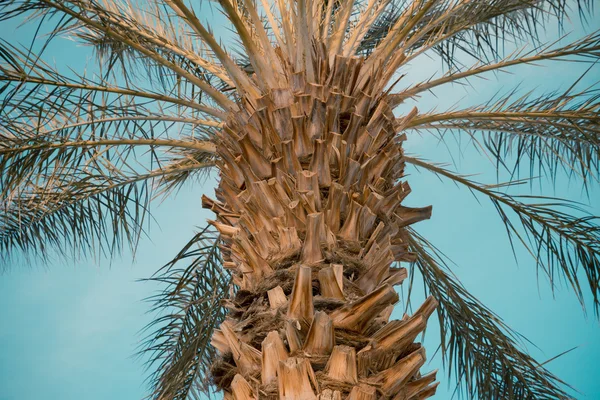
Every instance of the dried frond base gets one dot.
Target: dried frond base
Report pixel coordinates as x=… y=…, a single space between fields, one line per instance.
x=313 y=167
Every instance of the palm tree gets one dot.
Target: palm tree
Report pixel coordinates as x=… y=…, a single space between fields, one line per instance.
x=289 y=291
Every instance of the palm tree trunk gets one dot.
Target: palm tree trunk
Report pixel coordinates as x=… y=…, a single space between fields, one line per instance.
x=309 y=206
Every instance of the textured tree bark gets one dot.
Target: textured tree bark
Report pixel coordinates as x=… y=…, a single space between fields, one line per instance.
x=309 y=206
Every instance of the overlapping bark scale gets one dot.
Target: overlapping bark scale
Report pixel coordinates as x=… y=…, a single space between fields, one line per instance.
x=309 y=207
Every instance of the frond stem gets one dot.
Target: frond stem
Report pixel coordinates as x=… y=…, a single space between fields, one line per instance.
x=205 y=146
x=164 y=118
x=485 y=68
x=472 y=185
x=116 y=90
x=491 y=115
x=217 y=96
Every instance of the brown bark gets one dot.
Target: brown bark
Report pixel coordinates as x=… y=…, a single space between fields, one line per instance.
x=309 y=206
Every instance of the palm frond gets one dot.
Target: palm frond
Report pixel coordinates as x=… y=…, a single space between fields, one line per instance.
x=477 y=28
x=86 y=193
x=116 y=27
x=555 y=132
x=236 y=13
x=38 y=147
x=585 y=49
x=561 y=236
x=32 y=86
x=184 y=165
x=152 y=26
x=80 y=162
x=380 y=26
x=481 y=351
x=94 y=214
x=190 y=309
x=188 y=16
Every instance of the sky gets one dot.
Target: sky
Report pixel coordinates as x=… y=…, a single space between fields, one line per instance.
x=70 y=330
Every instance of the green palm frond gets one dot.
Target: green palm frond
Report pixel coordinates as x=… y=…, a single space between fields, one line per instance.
x=477 y=28
x=81 y=159
x=561 y=236
x=480 y=350
x=29 y=81
x=87 y=182
x=94 y=214
x=189 y=308
x=122 y=29
x=585 y=49
x=552 y=133
x=185 y=165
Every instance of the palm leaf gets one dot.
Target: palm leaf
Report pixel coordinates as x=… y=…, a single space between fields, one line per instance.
x=584 y=49
x=28 y=77
x=561 y=236
x=81 y=159
x=94 y=215
x=87 y=181
x=480 y=350
x=477 y=28
x=118 y=27
x=555 y=132
x=189 y=309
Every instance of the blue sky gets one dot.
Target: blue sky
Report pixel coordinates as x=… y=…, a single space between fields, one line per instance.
x=69 y=330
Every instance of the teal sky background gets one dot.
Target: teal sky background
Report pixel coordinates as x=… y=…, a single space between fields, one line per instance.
x=70 y=330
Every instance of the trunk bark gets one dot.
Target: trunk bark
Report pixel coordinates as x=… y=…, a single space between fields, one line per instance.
x=309 y=206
